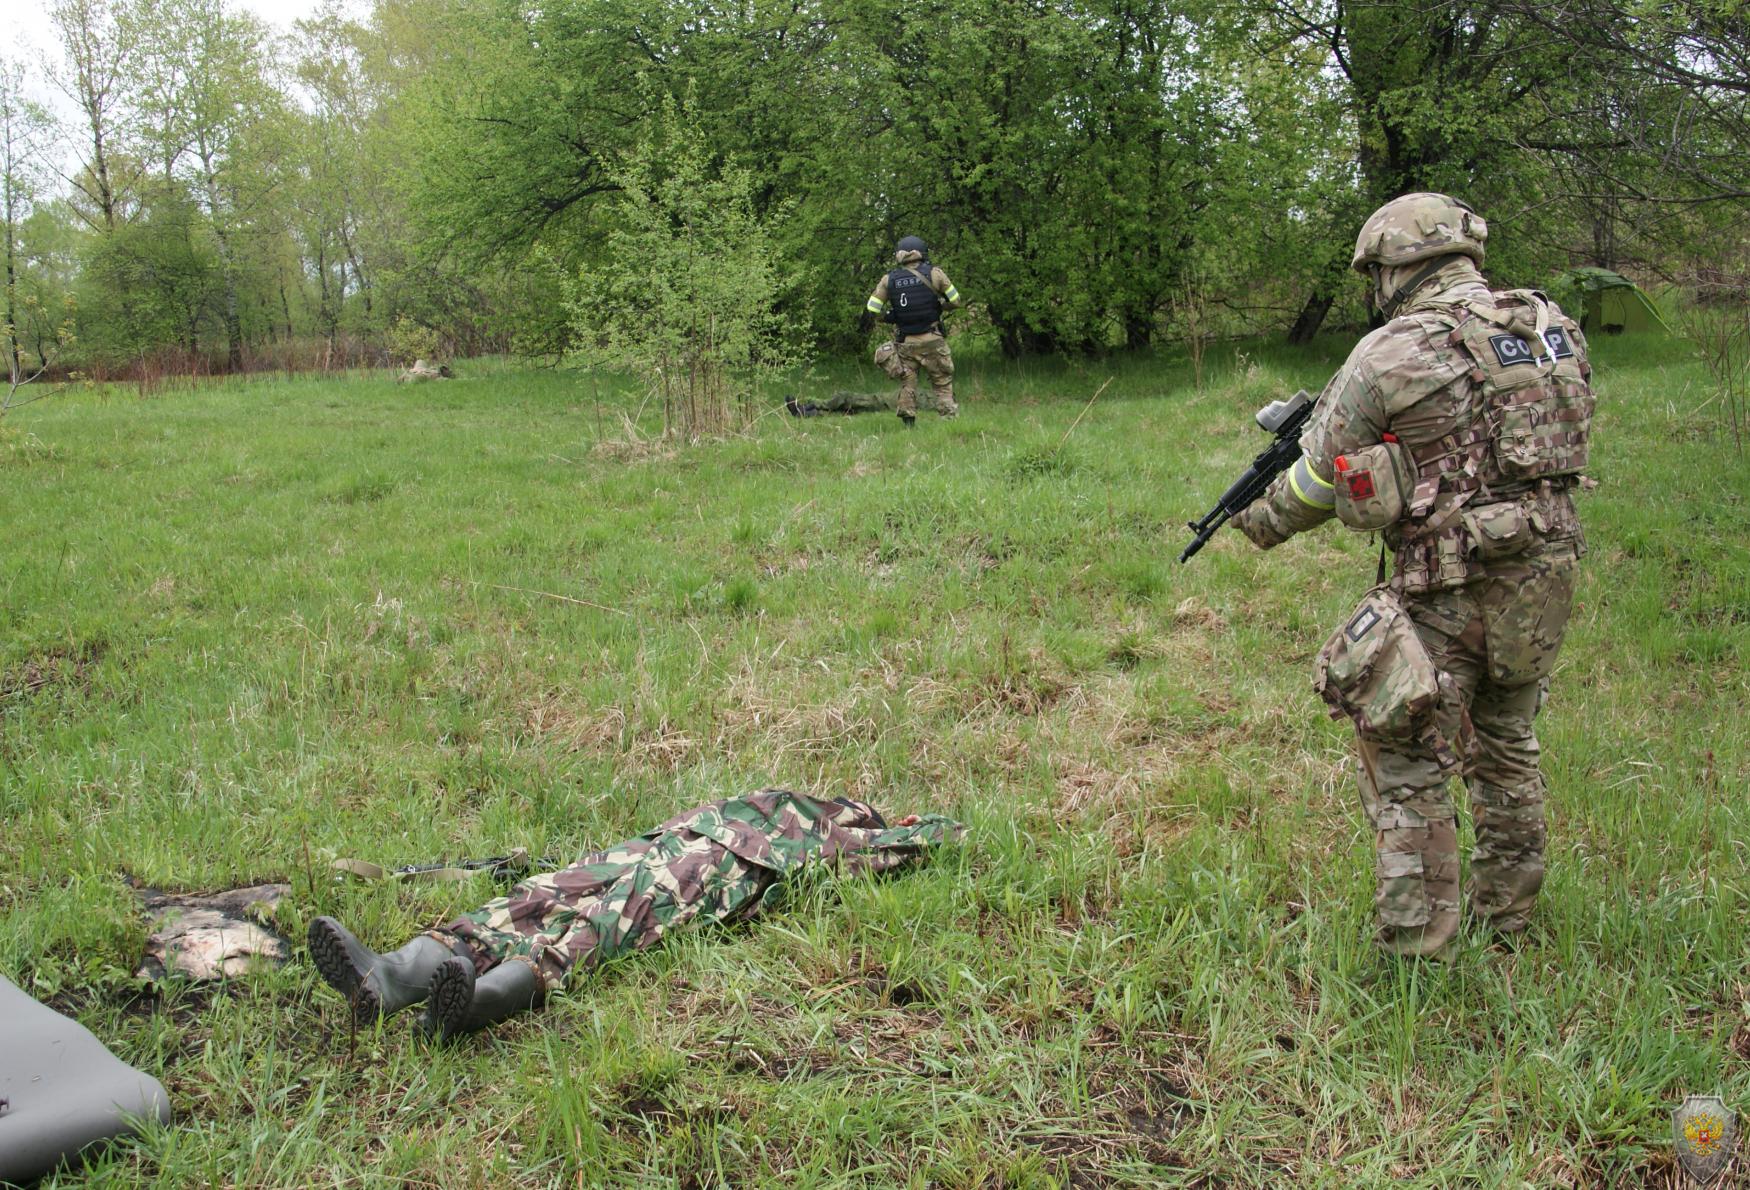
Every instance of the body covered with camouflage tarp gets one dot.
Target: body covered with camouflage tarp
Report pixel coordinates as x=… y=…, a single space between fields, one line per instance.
x=713 y=863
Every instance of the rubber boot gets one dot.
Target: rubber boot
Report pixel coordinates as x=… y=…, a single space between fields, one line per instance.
x=376 y=985
x=460 y=1003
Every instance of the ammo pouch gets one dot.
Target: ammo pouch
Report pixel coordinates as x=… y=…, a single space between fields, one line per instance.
x=1497 y=531
x=887 y=359
x=1373 y=486
x=1376 y=671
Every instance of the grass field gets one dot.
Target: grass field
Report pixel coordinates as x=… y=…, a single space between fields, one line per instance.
x=252 y=627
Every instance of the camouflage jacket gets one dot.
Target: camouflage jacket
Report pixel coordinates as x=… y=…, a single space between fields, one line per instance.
x=718 y=862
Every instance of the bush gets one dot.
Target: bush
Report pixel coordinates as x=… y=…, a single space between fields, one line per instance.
x=687 y=297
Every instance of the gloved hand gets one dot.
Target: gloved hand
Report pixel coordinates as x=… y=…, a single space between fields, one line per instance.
x=866 y=323
x=1257 y=527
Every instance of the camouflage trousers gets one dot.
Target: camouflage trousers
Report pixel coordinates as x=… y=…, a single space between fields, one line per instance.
x=1495 y=642
x=929 y=352
x=713 y=863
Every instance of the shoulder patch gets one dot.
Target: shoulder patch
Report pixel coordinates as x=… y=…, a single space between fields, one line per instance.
x=1511 y=349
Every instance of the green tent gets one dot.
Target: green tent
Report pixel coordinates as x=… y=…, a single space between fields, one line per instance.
x=1611 y=303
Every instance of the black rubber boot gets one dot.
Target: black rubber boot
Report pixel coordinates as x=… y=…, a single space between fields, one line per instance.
x=460 y=1004
x=376 y=985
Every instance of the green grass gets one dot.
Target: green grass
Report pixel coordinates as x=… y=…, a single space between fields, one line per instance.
x=252 y=627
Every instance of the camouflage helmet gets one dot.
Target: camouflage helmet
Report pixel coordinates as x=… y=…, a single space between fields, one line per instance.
x=1416 y=227
x=911 y=244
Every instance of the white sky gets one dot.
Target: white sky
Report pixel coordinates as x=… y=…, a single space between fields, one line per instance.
x=27 y=21
x=27 y=34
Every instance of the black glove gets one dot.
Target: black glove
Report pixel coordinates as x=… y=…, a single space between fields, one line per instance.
x=866 y=323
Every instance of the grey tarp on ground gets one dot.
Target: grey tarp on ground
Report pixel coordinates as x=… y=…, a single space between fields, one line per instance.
x=62 y=1090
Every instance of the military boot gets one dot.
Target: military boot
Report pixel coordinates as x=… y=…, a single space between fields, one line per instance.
x=460 y=1003
x=376 y=985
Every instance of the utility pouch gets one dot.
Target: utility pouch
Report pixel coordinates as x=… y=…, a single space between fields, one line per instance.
x=887 y=359
x=1376 y=671
x=1497 y=531
x=1373 y=486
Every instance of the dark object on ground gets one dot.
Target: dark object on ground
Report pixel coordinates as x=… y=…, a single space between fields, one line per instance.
x=61 y=1090
x=216 y=936
x=797 y=408
x=461 y=1002
x=376 y=985
x=513 y=865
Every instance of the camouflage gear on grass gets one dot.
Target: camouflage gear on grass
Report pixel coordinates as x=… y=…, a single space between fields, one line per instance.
x=849 y=402
x=422 y=371
x=1486 y=563
x=930 y=353
x=714 y=863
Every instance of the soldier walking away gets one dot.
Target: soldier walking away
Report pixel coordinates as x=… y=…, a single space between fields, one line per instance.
x=713 y=863
x=912 y=296
x=1458 y=431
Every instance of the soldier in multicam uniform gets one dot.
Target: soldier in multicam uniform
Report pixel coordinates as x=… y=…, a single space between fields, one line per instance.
x=714 y=863
x=1477 y=408
x=912 y=296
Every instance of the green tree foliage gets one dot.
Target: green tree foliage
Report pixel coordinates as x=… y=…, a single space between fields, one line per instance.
x=697 y=319
x=156 y=282
x=1094 y=173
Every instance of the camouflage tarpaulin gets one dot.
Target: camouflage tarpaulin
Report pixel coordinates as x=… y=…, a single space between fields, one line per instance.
x=713 y=863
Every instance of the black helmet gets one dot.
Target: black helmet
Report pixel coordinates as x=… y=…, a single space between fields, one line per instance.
x=912 y=244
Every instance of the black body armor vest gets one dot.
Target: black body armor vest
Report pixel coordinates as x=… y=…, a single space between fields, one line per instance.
x=915 y=306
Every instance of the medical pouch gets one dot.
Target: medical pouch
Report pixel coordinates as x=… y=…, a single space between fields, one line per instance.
x=1373 y=485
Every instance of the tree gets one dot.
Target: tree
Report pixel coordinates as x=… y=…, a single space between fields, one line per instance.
x=93 y=45
x=25 y=130
x=697 y=320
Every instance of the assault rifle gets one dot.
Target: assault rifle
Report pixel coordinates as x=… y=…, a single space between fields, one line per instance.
x=1281 y=418
x=503 y=867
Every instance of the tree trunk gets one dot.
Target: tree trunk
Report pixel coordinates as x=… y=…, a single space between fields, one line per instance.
x=1138 y=330
x=285 y=306
x=227 y=266
x=1312 y=315
x=11 y=293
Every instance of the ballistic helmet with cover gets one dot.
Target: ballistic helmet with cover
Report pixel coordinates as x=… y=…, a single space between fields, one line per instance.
x=1419 y=226
x=912 y=244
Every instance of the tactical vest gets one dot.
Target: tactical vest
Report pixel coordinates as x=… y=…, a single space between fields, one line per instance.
x=914 y=302
x=1483 y=493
